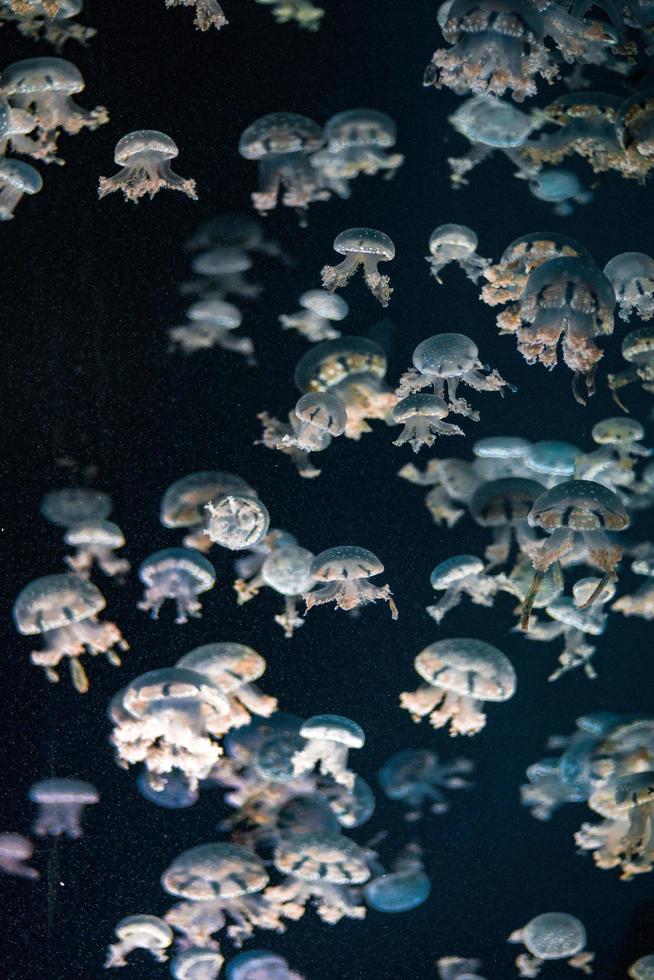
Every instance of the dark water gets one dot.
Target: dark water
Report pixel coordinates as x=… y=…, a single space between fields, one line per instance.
x=89 y=289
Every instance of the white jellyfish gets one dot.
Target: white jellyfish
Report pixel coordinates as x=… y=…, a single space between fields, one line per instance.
x=455 y=243
x=329 y=739
x=345 y=571
x=237 y=521
x=60 y=804
x=139 y=932
x=180 y=574
x=144 y=158
x=552 y=936
x=366 y=247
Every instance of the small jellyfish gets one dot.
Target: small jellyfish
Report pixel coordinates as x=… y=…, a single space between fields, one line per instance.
x=504 y=506
x=329 y=739
x=553 y=459
x=39 y=21
x=498 y=457
x=60 y=804
x=455 y=243
x=358 y=142
x=144 y=158
x=422 y=416
x=643 y=968
x=197 y=963
x=320 y=310
x=352 y=807
x=552 y=936
x=15 y=850
x=316 y=419
x=211 y=323
x=417 y=778
x=632 y=276
x=208 y=13
x=459 y=576
x=461 y=674
x=64 y=610
x=221 y=270
x=491 y=124
x=366 y=247
x=638 y=350
x=95 y=542
x=237 y=521
x=16 y=178
x=613 y=463
x=145 y=932
x=233 y=667
x=183 y=504
x=75 y=505
x=559 y=187
x=456 y=968
x=180 y=574
x=345 y=571
x=303 y=12
x=287 y=570
x=450 y=359
x=260 y=964
x=403 y=889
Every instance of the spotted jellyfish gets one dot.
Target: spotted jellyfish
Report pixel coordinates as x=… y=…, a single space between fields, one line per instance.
x=455 y=243
x=183 y=504
x=180 y=574
x=449 y=359
x=211 y=323
x=233 y=668
x=552 y=936
x=317 y=418
x=248 y=566
x=237 y=521
x=60 y=804
x=457 y=968
x=145 y=932
x=95 y=542
x=638 y=350
x=358 y=142
x=422 y=416
x=342 y=574
x=458 y=576
x=329 y=739
x=634 y=126
x=15 y=850
x=460 y=675
x=320 y=310
x=288 y=571
x=63 y=609
x=643 y=968
x=417 y=778
x=404 y=888
x=197 y=963
x=208 y=13
x=144 y=158
x=576 y=513
x=366 y=247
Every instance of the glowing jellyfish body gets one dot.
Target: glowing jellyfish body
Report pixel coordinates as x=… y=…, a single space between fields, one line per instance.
x=183 y=504
x=417 y=778
x=559 y=187
x=60 y=804
x=342 y=574
x=316 y=419
x=144 y=158
x=329 y=739
x=490 y=124
x=320 y=309
x=399 y=891
x=460 y=675
x=455 y=243
x=358 y=142
x=208 y=13
x=16 y=179
x=75 y=505
x=552 y=936
x=237 y=521
x=553 y=459
x=95 y=542
x=233 y=668
x=145 y=932
x=15 y=850
x=366 y=247
x=497 y=457
x=632 y=276
x=64 y=610
x=260 y=964
x=211 y=323
x=179 y=574
x=197 y=963
x=458 y=576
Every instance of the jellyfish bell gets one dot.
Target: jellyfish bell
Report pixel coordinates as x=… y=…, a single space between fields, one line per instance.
x=146 y=932
x=399 y=891
x=237 y=521
x=144 y=158
x=343 y=574
x=180 y=574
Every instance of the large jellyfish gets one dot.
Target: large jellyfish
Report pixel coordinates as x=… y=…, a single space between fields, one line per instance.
x=95 y=542
x=632 y=276
x=320 y=310
x=180 y=574
x=417 y=778
x=139 y=932
x=366 y=247
x=64 y=610
x=144 y=158
x=183 y=504
x=358 y=142
x=552 y=936
x=455 y=243
x=329 y=739
x=460 y=675
x=237 y=520
x=15 y=850
x=343 y=574
x=233 y=668
x=458 y=576
x=60 y=804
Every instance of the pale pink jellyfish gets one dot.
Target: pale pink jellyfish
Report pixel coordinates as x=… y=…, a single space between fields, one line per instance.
x=180 y=574
x=14 y=851
x=233 y=668
x=144 y=157
x=343 y=574
x=145 y=932
x=60 y=804
x=366 y=247
x=95 y=542
x=329 y=739
x=208 y=13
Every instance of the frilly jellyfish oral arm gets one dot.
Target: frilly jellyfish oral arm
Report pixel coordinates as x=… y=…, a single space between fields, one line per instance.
x=349 y=594
x=335 y=277
x=423 y=430
x=146 y=176
x=208 y=13
x=289 y=620
x=576 y=653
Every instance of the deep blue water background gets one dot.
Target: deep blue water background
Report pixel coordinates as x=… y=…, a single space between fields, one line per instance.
x=89 y=289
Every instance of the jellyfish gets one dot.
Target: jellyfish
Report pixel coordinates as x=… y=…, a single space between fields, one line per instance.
x=458 y=576
x=221 y=271
x=208 y=13
x=552 y=459
x=95 y=542
x=211 y=323
x=55 y=29
x=64 y=610
x=358 y=142
x=519 y=579
x=15 y=850
x=561 y=188
x=139 y=932
x=248 y=567
x=449 y=359
x=60 y=804
x=643 y=968
x=45 y=87
x=497 y=457
x=143 y=157
x=422 y=416
x=329 y=739
x=197 y=963
x=632 y=276
x=345 y=571
x=303 y=12
x=461 y=674
x=236 y=230
x=233 y=667
x=586 y=126
x=417 y=778
x=619 y=440
x=634 y=125
x=183 y=504
x=457 y=968
x=455 y=243
x=237 y=521
x=180 y=574
x=287 y=570
x=453 y=482
x=552 y=936
x=352 y=807
x=641 y=603
x=637 y=350
x=16 y=179
x=75 y=505
x=316 y=419
x=174 y=792
x=504 y=506
x=361 y=246
x=576 y=512
x=403 y=889
x=282 y=143
x=260 y=964
x=319 y=310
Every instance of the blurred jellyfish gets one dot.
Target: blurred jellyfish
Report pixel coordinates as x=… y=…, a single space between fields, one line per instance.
x=329 y=739
x=315 y=420
x=417 y=778
x=422 y=416
x=60 y=804
x=287 y=570
x=237 y=521
x=303 y=12
x=221 y=271
x=197 y=963
x=619 y=440
x=403 y=889
x=352 y=807
x=16 y=179
x=15 y=850
x=632 y=276
x=143 y=157
x=39 y=22
x=237 y=230
x=174 y=793
x=504 y=506
x=561 y=188
x=260 y=964
x=208 y=13
x=248 y=566
x=634 y=127
x=453 y=482
x=75 y=505
x=145 y=932
x=459 y=576
x=95 y=542
x=641 y=602
x=64 y=610
x=455 y=243
x=638 y=350
x=183 y=504
x=643 y=968
x=497 y=457
x=366 y=247
x=461 y=674
x=233 y=667
x=552 y=936
x=211 y=323
x=491 y=124
x=319 y=310
x=552 y=459
x=586 y=124
x=456 y=968
x=180 y=574
x=282 y=143
x=345 y=571
x=358 y=142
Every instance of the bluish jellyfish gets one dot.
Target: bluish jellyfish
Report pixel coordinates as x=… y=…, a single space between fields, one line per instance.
x=455 y=243
x=342 y=574
x=491 y=124
x=260 y=964
x=353 y=807
x=366 y=247
x=144 y=158
x=221 y=270
x=329 y=739
x=632 y=276
x=458 y=576
x=175 y=793
x=248 y=566
x=553 y=459
x=183 y=504
x=308 y=813
x=638 y=350
x=208 y=13
x=643 y=968
x=145 y=932
x=60 y=804
x=15 y=850
x=320 y=309
x=74 y=505
x=417 y=778
x=552 y=936
x=287 y=571
x=559 y=187
x=95 y=542
x=197 y=962
x=237 y=521
x=16 y=179
x=399 y=891
x=180 y=574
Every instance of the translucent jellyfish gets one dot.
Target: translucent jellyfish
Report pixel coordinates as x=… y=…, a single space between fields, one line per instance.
x=345 y=571
x=574 y=513
x=208 y=13
x=455 y=243
x=552 y=459
x=211 y=323
x=233 y=667
x=197 y=963
x=361 y=246
x=497 y=457
x=248 y=566
x=461 y=674
x=403 y=889
x=422 y=416
x=288 y=571
x=456 y=968
x=15 y=850
x=237 y=230
x=635 y=127
x=559 y=187
x=16 y=179
x=180 y=574
x=453 y=483
x=303 y=12
x=139 y=932
x=44 y=87
x=586 y=124
x=450 y=359
x=329 y=739
x=619 y=440
x=552 y=936
x=320 y=310
x=638 y=350
x=75 y=505
x=316 y=419
x=95 y=542
x=174 y=792
x=504 y=506
x=64 y=610
x=183 y=504
x=144 y=158
x=417 y=778
x=566 y=300
x=632 y=276
x=517 y=583
x=282 y=143
x=358 y=142
x=491 y=124
x=237 y=521
x=643 y=968
x=641 y=602
x=56 y=29
x=352 y=807
x=60 y=804
x=260 y=964
x=459 y=576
